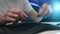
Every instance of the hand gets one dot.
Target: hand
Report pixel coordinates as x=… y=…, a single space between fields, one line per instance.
x=44 y=10
x=13 y=15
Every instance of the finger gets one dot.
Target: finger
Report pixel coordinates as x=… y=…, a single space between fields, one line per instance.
x=44 y=5
x=42 y=9
x=14 y=11
x=9 y=19
x=47 y=11
x=13 y=15
x=24 y=14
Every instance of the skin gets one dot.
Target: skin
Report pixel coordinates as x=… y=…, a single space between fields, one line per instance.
x=44 y=10
x=14 y=14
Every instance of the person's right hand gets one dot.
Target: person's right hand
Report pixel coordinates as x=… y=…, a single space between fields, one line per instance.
x=13 y=15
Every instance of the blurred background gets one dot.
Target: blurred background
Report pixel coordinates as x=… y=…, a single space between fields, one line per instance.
x=54 y=9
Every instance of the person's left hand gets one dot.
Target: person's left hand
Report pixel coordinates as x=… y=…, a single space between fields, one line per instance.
x=44 y=10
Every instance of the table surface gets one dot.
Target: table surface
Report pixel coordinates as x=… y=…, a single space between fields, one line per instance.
x=51 y=32
x=47 y=32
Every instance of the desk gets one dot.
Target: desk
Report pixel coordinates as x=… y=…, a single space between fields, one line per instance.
x=51 y=32
x=30 y=28
x=55 y=28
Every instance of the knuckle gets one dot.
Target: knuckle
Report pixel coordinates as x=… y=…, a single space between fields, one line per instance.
x=16 y=15
x=18 y=11
x=14 y=20
x=21 y=10
x=7 y=14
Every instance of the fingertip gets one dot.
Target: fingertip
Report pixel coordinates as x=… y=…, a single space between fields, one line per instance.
x=26 y=16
